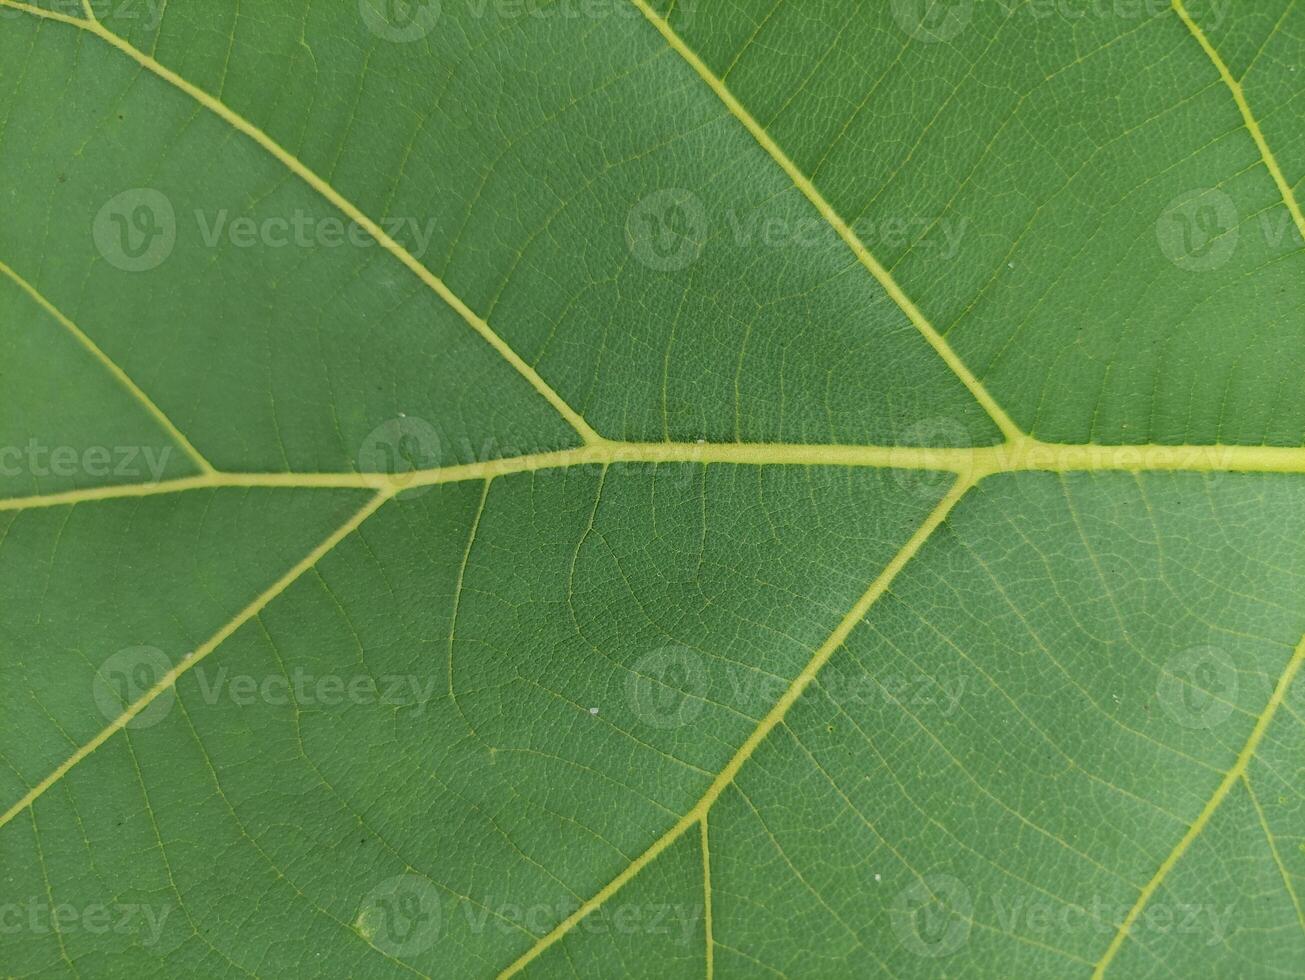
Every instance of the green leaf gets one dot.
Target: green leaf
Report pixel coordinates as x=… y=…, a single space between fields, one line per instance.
x=612 y=487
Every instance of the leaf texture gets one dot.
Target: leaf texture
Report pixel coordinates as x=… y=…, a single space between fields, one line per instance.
x=652 y=488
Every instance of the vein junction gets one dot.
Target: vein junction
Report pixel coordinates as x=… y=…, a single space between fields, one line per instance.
x=971 y=465
x=1019 y=453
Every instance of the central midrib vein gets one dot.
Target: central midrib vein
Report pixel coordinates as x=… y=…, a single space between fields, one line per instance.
x=1019 y=453
x=1025 y=455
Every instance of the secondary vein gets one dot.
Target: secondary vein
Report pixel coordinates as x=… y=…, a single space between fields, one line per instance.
x=953 y=361
x=350 y=210
x=1230 y=778
x=112 y=367
x=773 y=718
x=207 y=647
x=1248 y=117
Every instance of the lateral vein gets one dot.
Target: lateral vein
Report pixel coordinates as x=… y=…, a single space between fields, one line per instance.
x=773 y=718
x=1230 y=778
x=1248 y=117
x=322 y=187
x=1273 y=850
x=112 y=367
x=939 y=343
x=199 y=653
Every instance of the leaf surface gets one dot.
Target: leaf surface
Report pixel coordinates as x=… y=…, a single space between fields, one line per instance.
x=651 y=488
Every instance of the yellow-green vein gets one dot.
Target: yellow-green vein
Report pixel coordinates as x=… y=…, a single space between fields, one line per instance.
x=112 y=367
x=1230 y=778
x=773 y=718
x=1244 y=107
x=164 y=683
x=322 y=187
x=953 y=361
